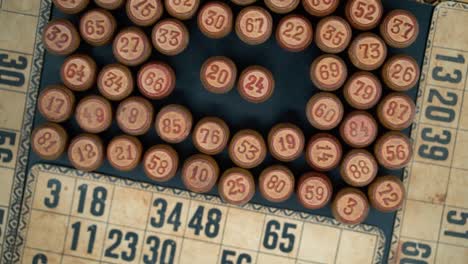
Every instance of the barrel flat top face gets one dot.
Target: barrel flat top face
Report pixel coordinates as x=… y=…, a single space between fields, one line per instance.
x=156 y=80
x=320 y=7
x=364 y=14
x=314 y=190
x=324 y=111
x=393 y=150
x=254 y=25
x=218 y=74
x=109 y=4
x=181 y=9
x=173 y=123
x=215 y=19
x=328 y=72
x=170 y=37
x=367 y=51
x=363 y=90
x=210 y=135
x=49 y=141
x=256 y=84
x=333 y=34
x=359 y=129
x=396 y=111
x=56 y=103
x=236 y=186
x=144 y=12
x=401 y=73
x=294 y=33
x=323 y=152
x=387 y=193
x=247 y=149
x=78 y=72
x=124 y=152
x=276 y=183
x=282 y=6
x=97 y=27
x=93 y=114
x=86 y=152
x=160 y=163
x=60 y=37
x=350 y=206
x=131 y=46
x=71 y=7
x=115 y=82
x=286 y=142
x=134 y=115
x=359 y=168
x=243 y=2
x=200 y=173
x=399 y=28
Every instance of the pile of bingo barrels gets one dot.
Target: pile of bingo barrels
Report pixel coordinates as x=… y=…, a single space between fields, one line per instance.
x=247 y=148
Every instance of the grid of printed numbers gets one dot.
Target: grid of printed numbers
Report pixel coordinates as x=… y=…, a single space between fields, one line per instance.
x=79 y=220
x=16 y=55
x=434 y=221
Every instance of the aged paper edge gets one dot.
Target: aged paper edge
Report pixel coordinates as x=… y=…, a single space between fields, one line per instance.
x=12 y=223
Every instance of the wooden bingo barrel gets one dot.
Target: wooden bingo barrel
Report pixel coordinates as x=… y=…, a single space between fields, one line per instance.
x=254 y=25
x=173 y=123
x=78 y=72
x=320 y=8
x=124 y=152
x=160 y=163
x=61 y=37
x=236 y=186
x=324 y=111
x=286 y=142
x=276 y=183
x=328 y=72
x=200 y=173
x=144 y=13
x=156 y=80
x=247 y=148
x=367 y=51
x=210 y=135
x=358 y=168
x=399 y=29
x=358 y=129
x=333 y=34
x=294 y=33
x=393 y=150
x=71 y=7
x=109 y=4
x=115 y=82
x=314 y=190
x=243 y=2
x=56 y=103
x=400 y=72
x=93 y=114
x=215 y=20
x=364 y=14
x=350 y=206
x=49 y=141
x=323 y=152
x=396 y=111
x=362 y=90
x=170 y=37
x=256 y=84
x=218 y=74
x=387 y=193
x=131 y=46
x=86 y=152
x=282 y=6
x=135 y=115
x=182 y=9
x=97 y=27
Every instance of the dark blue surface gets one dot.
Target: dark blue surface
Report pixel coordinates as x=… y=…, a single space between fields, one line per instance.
x=293 y=89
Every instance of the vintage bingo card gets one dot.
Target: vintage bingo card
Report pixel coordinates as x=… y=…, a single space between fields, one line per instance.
x=432 y=226
x=20 y=67
x=93 y=218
